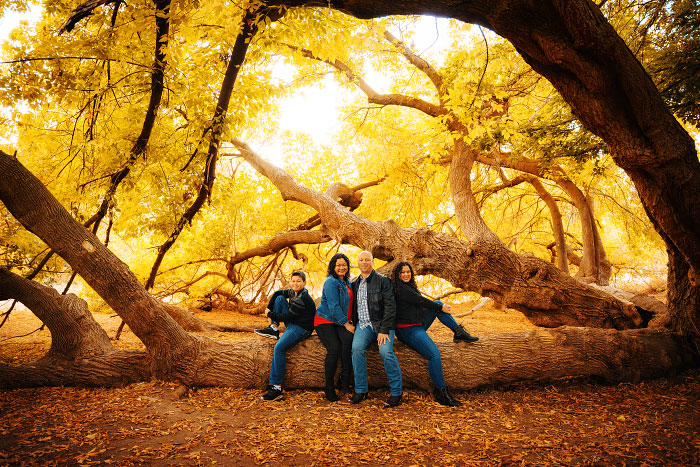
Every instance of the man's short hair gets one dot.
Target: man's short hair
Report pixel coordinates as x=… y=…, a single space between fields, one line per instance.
x=300 y=274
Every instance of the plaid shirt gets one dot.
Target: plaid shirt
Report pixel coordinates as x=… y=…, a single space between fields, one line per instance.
x=362 y=306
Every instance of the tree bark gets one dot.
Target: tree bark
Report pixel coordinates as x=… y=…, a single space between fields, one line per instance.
x=542 y=355
x=115 y=369
x=80 y=353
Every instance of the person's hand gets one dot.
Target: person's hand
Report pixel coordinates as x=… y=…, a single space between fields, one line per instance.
x=350 y=327
x=382 y=339
x=446 y=307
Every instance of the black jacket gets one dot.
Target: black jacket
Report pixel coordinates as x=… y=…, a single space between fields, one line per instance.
x=301 y=312
x=380 y=301
x=410 y=305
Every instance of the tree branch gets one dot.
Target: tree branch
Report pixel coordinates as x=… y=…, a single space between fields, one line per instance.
x=418 y=62
x=281 y=241
x=251 y=22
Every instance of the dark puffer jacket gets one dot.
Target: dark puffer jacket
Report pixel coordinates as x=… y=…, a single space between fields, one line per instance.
x=301 y=312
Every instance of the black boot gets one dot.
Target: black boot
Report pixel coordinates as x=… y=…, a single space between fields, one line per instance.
x=344 y=385
x=461 y=335
x=331 y=395
x=444 y=397
x=358 y=397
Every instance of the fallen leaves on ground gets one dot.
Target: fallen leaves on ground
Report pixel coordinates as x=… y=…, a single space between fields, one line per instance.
x=652 y=423
x=577 y=423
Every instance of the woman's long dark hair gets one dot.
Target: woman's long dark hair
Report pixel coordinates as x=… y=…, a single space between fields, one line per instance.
x=396 y=280
x=331 y=266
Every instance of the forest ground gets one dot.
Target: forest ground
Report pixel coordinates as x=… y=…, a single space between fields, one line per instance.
x=577 y=422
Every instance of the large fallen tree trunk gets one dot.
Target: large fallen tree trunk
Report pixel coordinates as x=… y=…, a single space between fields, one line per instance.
x=541 y=355
x=115 y=369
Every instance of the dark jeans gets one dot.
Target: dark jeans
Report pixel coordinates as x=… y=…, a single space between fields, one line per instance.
x=338 y=343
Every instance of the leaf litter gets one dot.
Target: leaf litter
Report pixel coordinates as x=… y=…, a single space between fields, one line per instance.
x=577 y=422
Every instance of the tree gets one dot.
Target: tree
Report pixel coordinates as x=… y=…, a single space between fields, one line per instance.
x=593 y=266
x=601 y=88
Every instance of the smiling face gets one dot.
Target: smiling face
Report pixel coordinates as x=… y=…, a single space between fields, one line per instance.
x=364 y=261
x=405 y=274
x=341 y=267
x=297 y=283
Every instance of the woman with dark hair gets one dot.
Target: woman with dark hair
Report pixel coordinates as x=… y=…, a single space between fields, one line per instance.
x=333 y=324
x=414 y=315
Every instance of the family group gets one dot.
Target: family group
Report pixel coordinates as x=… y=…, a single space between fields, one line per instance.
x=352 y=315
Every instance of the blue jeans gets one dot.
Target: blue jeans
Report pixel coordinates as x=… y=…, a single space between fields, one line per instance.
x=417 y=339
x=292 y=335
x=362 y=339
x=445 y=318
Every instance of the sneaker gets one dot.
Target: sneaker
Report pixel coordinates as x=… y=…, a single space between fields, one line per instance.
x=273 y=394
x=358 y=397
x=461 y=335
x=392 y=401
x=268 y=332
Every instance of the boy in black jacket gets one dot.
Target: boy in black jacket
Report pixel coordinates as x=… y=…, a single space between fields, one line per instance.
x=296 y=309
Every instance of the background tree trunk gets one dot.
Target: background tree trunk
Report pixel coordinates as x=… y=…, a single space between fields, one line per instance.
x=31 y=204
x=557 y=225
x=80 y=354
x=192 y=323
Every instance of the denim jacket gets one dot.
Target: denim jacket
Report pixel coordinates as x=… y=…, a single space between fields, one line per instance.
x=334 y=301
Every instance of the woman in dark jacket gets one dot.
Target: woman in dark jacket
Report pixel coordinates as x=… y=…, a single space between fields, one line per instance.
x=296 y=309
x=412 y=309
x=333 y=324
